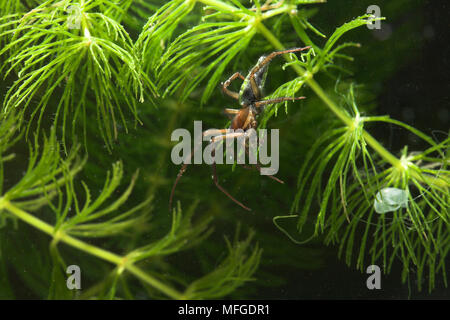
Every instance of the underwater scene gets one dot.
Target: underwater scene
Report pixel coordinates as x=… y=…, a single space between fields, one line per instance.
x=224 y=150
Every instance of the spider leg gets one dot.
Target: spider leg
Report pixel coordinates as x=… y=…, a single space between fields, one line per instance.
x=216 y=182
x=265 y=61
x=273 y=55
x=258 y=167
x=230 y=135
x=214 y=171
x=276 y=100
x=179 y=175
x=184 y=167
x=214 y=132
x=230 y=113
x=225 y=85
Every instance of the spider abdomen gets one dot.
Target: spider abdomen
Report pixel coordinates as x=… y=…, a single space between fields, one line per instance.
x=244 y=120
x=247 y=94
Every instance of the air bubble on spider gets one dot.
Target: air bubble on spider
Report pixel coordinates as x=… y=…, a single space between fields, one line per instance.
x=390 y=199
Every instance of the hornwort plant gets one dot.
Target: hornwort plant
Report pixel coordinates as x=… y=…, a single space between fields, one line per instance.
x=244 y=119
x=144 y=63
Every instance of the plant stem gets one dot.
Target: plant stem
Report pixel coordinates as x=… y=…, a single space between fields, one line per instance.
x=60 y=235
x=385 y=154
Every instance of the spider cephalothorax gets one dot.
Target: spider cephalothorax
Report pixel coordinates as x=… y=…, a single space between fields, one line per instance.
x=250 y=98
x=248 y=93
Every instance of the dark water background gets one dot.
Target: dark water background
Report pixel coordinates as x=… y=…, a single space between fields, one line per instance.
x=416 y=91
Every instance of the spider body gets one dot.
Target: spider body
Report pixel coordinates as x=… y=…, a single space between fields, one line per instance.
x=247 y=95
x=250 y=98
x=245 y=119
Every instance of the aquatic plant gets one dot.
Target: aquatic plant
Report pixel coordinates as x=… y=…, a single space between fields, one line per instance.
x=154 y=64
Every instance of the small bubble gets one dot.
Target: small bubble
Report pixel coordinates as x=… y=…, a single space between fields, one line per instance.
x=390 y=199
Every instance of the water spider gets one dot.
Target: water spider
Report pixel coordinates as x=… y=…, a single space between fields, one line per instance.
x=251 y=99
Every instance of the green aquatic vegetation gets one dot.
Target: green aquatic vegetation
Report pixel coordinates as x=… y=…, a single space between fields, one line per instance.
x=49 y=181
x=416 y=232
x=48 y=50
x=66 y=62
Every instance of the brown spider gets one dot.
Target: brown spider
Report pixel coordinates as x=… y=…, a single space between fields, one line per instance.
x=250 y=99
